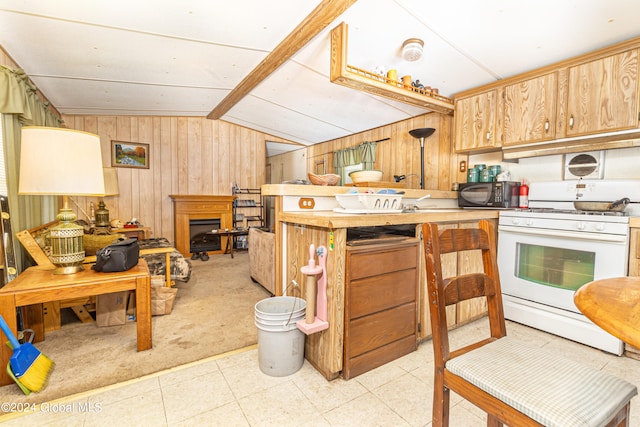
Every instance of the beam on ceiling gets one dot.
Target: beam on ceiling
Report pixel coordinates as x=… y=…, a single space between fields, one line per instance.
x=323 y=15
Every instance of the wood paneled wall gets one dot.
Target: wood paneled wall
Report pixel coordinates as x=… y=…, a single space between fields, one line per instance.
x=187 y=155
x=400 y=155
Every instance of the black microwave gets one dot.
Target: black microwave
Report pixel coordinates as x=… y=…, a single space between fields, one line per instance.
x=503 y=194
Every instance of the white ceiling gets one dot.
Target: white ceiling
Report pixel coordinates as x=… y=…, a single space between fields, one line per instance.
x=150 y=57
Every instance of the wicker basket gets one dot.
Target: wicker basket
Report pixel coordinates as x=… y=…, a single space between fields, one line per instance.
x=327 y=179
x=93 y=242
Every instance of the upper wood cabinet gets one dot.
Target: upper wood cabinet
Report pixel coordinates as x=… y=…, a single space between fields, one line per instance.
x=603 y=95
x=529 y=110
x=592 y=95
x=475 y=122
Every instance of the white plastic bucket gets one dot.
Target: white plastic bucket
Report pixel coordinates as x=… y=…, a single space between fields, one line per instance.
x=280 y=342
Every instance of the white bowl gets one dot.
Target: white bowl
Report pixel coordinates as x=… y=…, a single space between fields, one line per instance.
x=370 y=202
x=365 y=176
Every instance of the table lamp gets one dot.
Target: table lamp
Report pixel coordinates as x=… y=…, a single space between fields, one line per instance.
x=110 y=189
x=62 y=162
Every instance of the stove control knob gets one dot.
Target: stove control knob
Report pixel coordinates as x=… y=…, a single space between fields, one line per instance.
x=529 y=222
x=580 y=225
x=515 y=221
x=600 y=227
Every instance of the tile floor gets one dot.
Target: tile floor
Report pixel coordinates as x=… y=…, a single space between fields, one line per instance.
x=231 y=391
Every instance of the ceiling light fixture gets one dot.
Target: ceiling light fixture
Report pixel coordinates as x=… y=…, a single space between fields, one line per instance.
x=412 y=49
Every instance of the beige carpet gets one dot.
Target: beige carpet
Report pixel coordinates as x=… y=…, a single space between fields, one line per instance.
x=213 y=313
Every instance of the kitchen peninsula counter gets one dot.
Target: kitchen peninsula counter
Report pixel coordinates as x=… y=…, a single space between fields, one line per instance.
x=303 y=215
x=333 y=220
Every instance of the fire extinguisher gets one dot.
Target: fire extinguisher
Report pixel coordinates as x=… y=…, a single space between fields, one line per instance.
x=524 y=195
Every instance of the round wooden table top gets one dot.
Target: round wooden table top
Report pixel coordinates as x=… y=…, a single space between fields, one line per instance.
x=614 y=305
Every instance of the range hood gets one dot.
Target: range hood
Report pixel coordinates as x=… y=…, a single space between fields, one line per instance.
x=602 y=141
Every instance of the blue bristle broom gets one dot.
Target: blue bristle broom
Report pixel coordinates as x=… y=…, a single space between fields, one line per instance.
x=29 y=365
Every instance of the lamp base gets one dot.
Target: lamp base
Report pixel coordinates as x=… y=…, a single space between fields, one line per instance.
x=67 y=247
x=69 y=269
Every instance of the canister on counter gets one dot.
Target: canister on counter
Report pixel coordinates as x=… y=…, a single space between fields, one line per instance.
x=495 y=170
x=480 y=167
x=485 y=175
x=472 y=175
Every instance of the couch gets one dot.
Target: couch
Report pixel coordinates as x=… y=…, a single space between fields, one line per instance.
x=262 y=260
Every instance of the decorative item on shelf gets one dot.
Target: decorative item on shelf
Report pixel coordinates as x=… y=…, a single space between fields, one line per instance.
x=366 y=176
x=392 y=76
x=116 y=223
x=110 y=189
x=412 y=49
x=134 y=223
x=326 y=179
x=367 y=81
x=62 y=162
x=422 y=133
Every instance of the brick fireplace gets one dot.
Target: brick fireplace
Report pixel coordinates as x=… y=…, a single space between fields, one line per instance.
x=188 y=209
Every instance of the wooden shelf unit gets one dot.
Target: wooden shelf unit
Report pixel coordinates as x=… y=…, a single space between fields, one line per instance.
x=365 y=81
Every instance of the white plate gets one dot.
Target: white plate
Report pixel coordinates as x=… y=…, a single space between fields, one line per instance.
x=367 y=211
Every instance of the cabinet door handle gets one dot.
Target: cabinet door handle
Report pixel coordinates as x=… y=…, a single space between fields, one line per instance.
x=571 y=122
x=488 y=136
x=546 y=126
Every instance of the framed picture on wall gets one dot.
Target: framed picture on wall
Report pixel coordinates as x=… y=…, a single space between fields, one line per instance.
x=129 y=155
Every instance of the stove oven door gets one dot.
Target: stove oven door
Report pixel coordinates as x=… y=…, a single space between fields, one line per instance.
x=547 y=266
x=540 y=269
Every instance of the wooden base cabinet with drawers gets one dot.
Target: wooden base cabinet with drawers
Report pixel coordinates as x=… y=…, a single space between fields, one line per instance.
x=381 y=304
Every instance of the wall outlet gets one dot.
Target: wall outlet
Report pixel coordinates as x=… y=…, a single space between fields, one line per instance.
x=306 y=203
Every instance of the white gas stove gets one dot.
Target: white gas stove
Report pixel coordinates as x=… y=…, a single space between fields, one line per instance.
x=546 y=252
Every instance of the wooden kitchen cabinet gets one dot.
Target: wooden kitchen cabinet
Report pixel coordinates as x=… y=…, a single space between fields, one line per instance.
x=589 y=96
x=634 y=270
x=381 y=305
x=634 y=252
x=529 y=109
x=603 y=95
x=475 y=122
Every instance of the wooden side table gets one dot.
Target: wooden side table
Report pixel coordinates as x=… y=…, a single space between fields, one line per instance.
x=142 y=233
x=229 y=234
x=38 y=285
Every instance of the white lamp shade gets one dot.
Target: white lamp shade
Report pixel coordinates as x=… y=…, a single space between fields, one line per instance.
x=110 y=182
x=57 y=161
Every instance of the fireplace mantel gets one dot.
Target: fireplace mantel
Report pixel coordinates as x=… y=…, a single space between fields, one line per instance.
x=188 y=207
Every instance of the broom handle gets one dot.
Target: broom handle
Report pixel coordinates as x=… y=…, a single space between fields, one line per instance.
x=7 y=331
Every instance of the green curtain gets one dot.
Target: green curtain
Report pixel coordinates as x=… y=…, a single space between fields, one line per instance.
x=364 y=153
x=20 y=106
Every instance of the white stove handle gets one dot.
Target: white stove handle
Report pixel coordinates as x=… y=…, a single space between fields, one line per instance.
x=565 y=234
